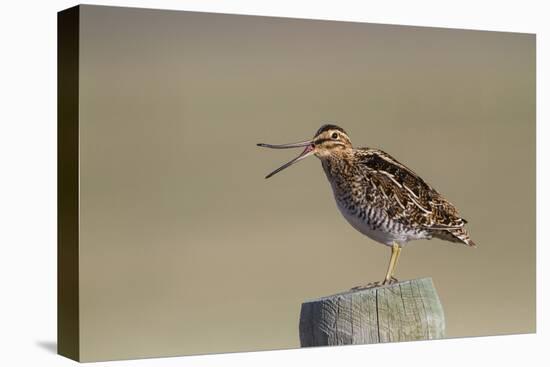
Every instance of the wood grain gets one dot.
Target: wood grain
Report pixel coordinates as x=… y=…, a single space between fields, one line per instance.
x=408 y=310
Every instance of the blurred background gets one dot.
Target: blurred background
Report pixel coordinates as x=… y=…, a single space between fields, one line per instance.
x=186 y=249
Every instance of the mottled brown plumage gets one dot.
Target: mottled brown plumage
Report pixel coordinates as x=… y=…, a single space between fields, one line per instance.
x=379 y=196
x=370 y=178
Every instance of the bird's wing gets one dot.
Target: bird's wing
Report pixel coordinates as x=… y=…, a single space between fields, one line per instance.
x=410 y=198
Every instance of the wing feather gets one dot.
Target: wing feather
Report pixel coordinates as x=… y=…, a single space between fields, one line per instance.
x=410 y=198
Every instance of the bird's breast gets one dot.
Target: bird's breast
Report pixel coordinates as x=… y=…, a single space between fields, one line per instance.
x=374 y=222
x=368 y=221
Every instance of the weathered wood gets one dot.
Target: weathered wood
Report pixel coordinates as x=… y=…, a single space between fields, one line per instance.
x=408 y=310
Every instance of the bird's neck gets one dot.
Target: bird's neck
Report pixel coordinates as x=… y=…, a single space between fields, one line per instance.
x=338 y=166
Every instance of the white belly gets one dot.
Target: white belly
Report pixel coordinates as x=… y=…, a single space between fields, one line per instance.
x=384 y=234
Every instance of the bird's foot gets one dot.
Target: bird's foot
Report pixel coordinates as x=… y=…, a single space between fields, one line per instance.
x=367 y=286
x=390 y=281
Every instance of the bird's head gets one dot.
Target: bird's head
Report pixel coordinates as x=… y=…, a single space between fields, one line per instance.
x=329 y=141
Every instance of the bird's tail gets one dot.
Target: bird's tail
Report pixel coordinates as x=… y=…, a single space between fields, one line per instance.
x=459 y=235
x=464 y=236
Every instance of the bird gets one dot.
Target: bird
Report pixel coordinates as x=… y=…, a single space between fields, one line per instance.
x=379 y=196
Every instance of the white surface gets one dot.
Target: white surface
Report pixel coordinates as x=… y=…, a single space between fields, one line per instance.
x=28 y=181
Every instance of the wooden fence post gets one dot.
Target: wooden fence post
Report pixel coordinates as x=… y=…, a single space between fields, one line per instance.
x=408 y=310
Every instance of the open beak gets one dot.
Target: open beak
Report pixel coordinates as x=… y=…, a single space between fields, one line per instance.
x=306 y=153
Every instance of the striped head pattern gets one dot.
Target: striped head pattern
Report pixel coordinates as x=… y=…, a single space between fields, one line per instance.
x=329 y=140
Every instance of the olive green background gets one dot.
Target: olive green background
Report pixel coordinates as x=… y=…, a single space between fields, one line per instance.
x=185 y=248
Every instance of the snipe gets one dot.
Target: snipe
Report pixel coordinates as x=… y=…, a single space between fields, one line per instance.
x=380 y=197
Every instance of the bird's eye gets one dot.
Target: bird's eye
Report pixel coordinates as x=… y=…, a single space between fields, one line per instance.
x=335 y=135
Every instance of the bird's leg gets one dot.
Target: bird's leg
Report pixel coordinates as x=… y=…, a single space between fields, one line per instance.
x=393 y=259
x=389 y=278
x=392 y=278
